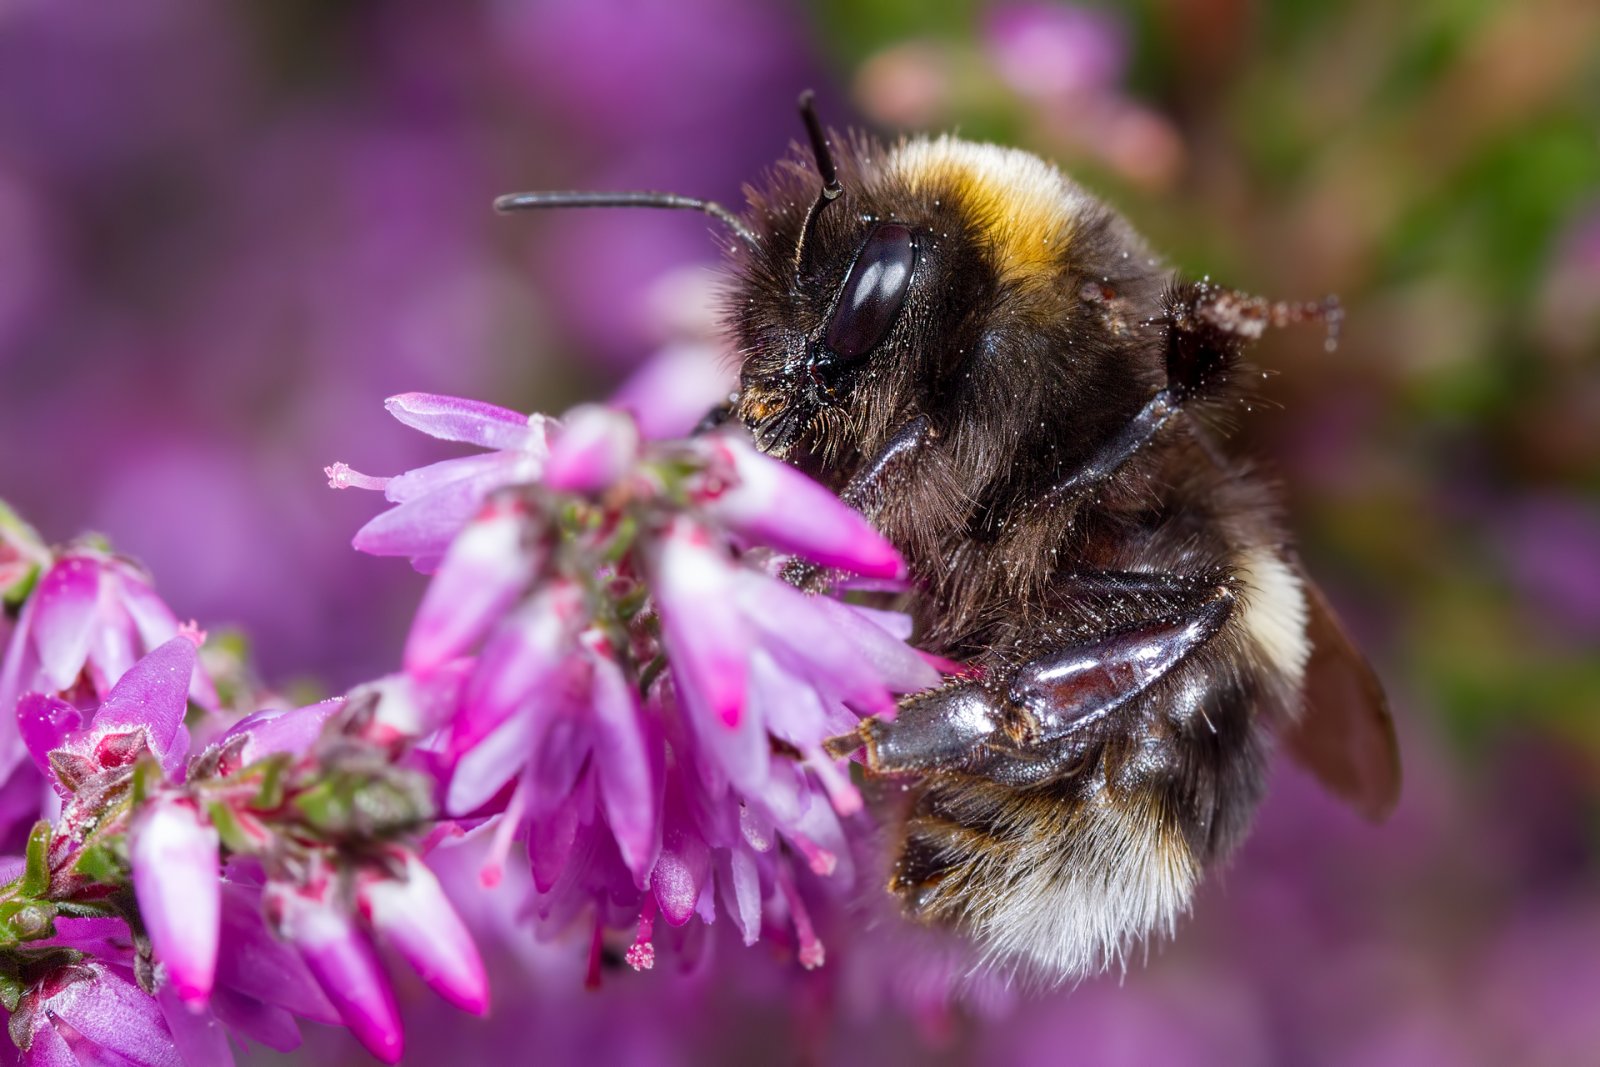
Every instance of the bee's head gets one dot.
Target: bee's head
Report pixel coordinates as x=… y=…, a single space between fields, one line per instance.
x=968 y=283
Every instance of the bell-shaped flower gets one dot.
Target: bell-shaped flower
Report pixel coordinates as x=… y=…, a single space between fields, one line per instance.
x=88 y=1013
x=410 y=911
x=341 y=959
x=433 y=503
x=91 y=616
x=173 y=852
x=771 y=503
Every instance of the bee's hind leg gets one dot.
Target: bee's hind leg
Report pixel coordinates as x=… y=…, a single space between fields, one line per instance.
x=1034 y=722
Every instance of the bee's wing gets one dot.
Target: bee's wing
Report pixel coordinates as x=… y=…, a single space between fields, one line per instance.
x=1344 y=735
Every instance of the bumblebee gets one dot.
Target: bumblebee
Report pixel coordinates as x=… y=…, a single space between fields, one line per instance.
x=990 y=364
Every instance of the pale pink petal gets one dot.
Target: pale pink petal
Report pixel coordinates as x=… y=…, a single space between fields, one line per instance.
x=742 y=892
x=485 y=768
x=484 y=572
x=412 y=914
x=694 y=582
x=627 y=761
x=291 y=730
x=425 y=525
x=673 y=390
x=774 y=504
x=156 y=624
x=806 y=641
x=176 y=875
x=452 y=418
x=520 y=658
x=594 y=448
x=495 y=468
x=63 y=622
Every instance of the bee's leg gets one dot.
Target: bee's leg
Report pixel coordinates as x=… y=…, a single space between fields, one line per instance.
x=1207 y=329
x=868 y=488
x=1029 y=723
x=713 y=418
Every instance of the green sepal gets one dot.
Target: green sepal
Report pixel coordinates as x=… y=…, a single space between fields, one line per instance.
x=11 y=989
x=146 y=773
x=36 y=871
x=102 y=862
x=230 y=832
x=273 y=770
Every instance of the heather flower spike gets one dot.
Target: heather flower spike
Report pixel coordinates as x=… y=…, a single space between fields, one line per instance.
x=644 y=702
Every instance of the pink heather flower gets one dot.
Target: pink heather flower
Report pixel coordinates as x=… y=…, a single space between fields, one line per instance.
x=645 y=793
x=485 y=569
x=173 y=852
x=144 y=710
x=1056 y=51
x=341 y=959
x=411 y=912
x=595 y=448
x=771 y=503
x=91 y=616
x=90 y=1013
x=433 y=503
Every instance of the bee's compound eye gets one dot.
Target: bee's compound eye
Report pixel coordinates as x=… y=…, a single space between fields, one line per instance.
x=874 y=292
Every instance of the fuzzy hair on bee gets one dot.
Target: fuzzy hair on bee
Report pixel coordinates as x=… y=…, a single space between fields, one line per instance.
x=988 y=362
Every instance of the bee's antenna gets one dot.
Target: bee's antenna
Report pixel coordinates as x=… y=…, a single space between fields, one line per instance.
x=831 y=186
x=819 y=148
x=530 y=201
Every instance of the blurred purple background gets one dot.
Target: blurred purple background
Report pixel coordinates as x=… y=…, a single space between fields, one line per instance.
x=228 y=232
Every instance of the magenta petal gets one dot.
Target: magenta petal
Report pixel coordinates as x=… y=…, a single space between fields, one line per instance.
x=342 y=960
x=176 y=880
x=257 y=965
x=45 y=721
x=414 y=915
x=630 y=780
x=594 y=448
x=200 y=1036
x=520 y=658
x=48 y=1048
x=452 y=418
x=695 y=584
x=153 y=694
x=774 y=504
x=684 y=865
x=484 y=571
x=117 y=1016
x=250 y=1018
x=291 y=730
x=156 y=624
x=63 y=623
